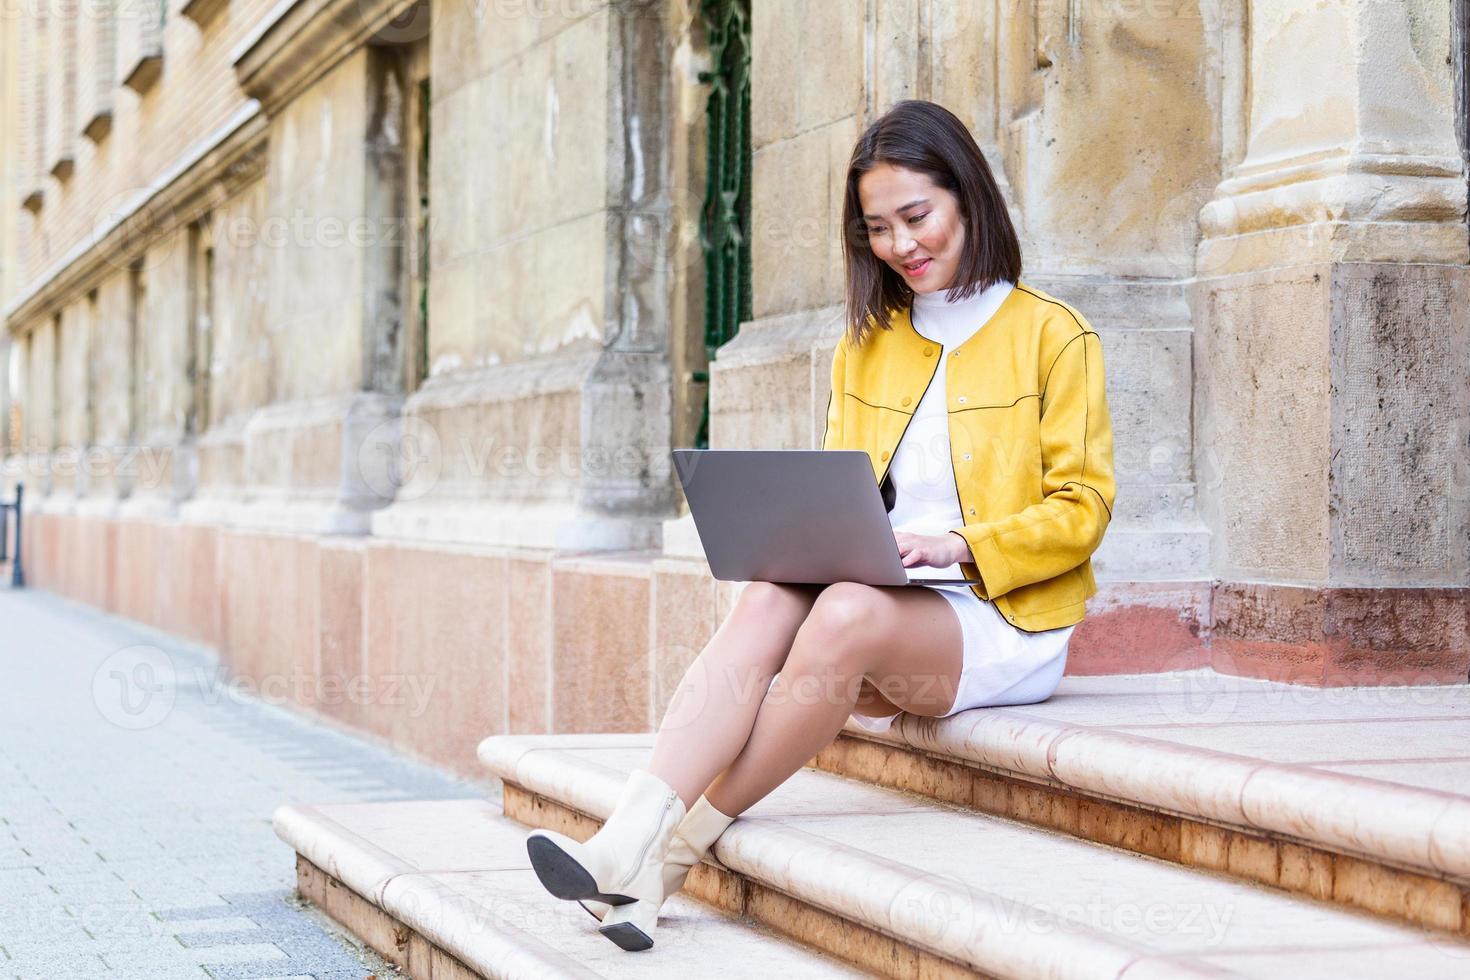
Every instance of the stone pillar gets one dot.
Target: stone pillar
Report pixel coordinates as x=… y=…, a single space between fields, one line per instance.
x=114 y=460
x=1333 y=301
x=307 y=376
x=161 y=474
x=7 y=396
x=40 y=421
x=9 y=407
x=74 y=404
x=546 y=418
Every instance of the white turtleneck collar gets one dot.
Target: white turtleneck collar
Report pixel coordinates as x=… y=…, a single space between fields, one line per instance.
x=952 y=322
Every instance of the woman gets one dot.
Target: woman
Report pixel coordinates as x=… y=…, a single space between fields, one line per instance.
x=980 y=401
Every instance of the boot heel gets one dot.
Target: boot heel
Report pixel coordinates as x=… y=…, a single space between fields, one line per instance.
x=631 y=926
x=563 y=876
x=623 y=861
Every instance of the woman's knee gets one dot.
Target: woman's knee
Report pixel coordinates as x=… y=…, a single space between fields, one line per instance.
x=765 y=618
x=840 y=625
x=767 y=598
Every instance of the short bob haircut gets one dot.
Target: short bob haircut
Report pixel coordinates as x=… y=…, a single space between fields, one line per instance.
x=926 y=138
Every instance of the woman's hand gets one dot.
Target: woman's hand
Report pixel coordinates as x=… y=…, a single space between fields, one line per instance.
x=938 y=550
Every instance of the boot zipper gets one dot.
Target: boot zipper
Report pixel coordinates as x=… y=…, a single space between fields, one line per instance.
x=637 y=865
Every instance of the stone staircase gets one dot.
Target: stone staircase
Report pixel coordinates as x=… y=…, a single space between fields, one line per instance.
x=1175 y=825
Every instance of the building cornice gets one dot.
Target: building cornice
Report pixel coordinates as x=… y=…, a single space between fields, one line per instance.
x=299 y=41
x=210 y=172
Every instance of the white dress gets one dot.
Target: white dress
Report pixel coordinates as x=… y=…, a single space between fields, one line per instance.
x=1002 y=664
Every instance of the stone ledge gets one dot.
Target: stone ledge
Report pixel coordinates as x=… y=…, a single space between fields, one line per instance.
x=896 y=868
x=1396 y=850
x=445 y=889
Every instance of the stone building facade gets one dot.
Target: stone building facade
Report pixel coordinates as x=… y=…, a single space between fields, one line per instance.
x=351 y=338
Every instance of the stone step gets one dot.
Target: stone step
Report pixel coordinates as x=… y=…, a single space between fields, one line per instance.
x=905 y=886
x=1257 y=780
x=443 y=889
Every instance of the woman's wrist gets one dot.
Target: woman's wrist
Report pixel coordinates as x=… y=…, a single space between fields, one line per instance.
x=962 y=551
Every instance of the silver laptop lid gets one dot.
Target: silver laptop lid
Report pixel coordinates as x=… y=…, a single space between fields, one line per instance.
x=791 y=515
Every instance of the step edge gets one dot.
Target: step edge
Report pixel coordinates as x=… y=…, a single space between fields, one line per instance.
x=424 y=903
x=422 y=900
x=304 y=829
x=588 y=788
x=1218 y=792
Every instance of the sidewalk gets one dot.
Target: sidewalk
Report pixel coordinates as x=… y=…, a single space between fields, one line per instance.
x=136 y=792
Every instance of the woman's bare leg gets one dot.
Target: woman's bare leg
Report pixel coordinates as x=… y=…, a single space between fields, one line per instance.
x=711 y=713
x=907 y=639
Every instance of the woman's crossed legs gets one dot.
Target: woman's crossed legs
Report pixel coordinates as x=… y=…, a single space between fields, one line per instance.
x=837 y=648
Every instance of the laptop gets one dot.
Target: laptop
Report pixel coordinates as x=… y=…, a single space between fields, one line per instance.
x=804 y=516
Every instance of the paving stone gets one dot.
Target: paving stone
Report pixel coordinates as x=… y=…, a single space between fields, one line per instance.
x=213 y=926
x=151 y=851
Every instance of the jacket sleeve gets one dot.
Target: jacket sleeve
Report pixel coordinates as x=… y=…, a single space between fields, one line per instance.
x=1064 y=529
x=832 y=435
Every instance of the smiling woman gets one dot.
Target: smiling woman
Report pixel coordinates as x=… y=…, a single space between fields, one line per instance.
x=996 y=464
x=921 y=201
x=980 y=403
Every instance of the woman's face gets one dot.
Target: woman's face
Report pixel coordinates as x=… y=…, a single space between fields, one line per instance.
x=914 y=225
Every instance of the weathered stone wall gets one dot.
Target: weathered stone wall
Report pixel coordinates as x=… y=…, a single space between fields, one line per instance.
x=196 y=95
x=549 y=408
x=1259 y=206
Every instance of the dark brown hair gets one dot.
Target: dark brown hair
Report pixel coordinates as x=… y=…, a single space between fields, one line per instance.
x=926 y=138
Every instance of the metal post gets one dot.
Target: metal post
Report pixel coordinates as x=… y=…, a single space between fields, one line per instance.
x=17 y=574
x=4 y=519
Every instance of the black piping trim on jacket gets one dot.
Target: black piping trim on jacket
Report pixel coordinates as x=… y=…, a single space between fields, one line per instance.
x=827 y=425
x=1047 y=383
x=1046 y=299
x=1095 y=490
x=1087 y=413
x=888 y=408
x=976 y=408
x=934 y=374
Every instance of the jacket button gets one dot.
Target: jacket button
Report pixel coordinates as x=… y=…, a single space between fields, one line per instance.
x=906 y=399
x=961 y=399
x=885 y=456
x=928 y=351
x=967 y=456
x=972 y=510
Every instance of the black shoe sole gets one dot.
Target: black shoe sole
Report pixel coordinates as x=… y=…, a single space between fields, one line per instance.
x=561 y=875
x=628 y=936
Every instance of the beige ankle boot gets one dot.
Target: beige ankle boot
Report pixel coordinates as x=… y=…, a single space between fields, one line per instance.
x=693 y=839
x=623 y=862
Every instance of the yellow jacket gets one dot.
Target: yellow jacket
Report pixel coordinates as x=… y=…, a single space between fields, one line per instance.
x=1031 y=444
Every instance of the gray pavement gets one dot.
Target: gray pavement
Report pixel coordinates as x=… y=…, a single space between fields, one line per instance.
x=136 y=790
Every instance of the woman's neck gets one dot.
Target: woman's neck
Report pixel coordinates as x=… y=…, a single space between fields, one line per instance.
x=938 y=299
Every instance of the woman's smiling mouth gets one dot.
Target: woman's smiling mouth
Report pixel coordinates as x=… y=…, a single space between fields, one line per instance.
x=916 y=269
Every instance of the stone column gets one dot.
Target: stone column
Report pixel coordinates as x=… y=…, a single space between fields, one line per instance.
x=307 y=377
x=1333 y=302
x=161 y=474
x=9 y=406
x=546 y=418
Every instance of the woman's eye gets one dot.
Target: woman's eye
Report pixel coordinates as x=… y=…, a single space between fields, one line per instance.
x=918 y=218
x=875 y=231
